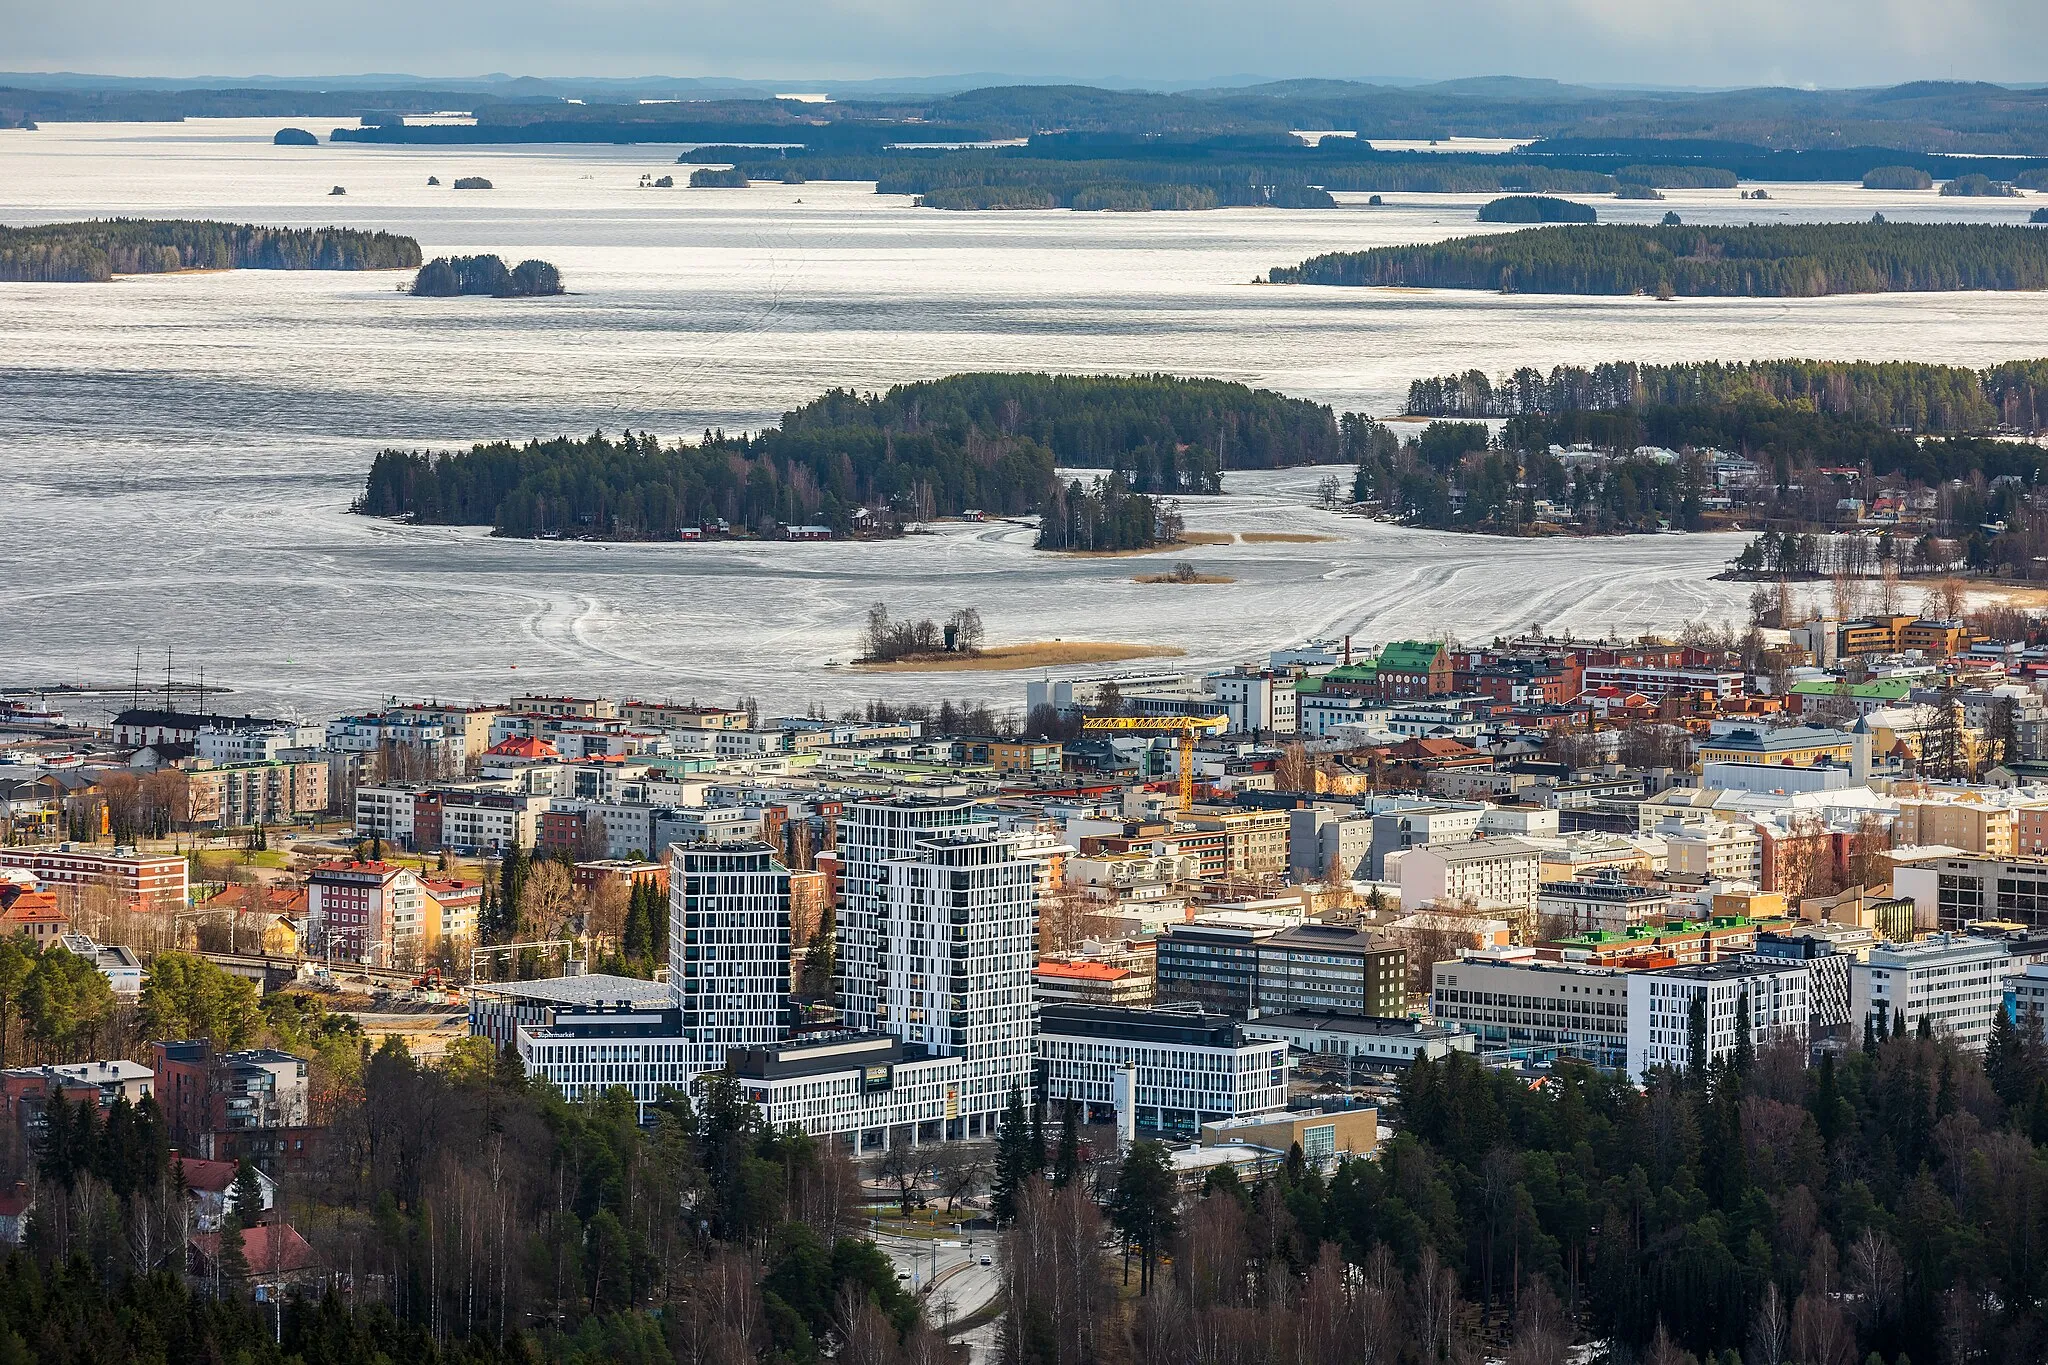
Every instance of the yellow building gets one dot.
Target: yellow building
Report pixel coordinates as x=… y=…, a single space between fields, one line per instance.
x=1254 y=841
x=1797 y=746
x=280 y=938
x=1873 y=635
x=1936 y=637
x=1964 y=820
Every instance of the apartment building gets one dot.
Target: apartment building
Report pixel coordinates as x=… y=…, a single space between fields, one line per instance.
x=1331 y=969
x=224 y=745
x=728 y=949
x=1772 y=992
x=245 y=794
x=1486 y=874
x=958 y=942
x=1514 y=1003
x=1386 y=1044
x=1254 y=841
x=1966 y=821
x=871 y=833
x=1602 y=900
x=372 y=912
x=1176 y=1068
x=1658 y=683
x=1702 y=851
x=1953 y=982
x=150 y=882
x=663 y=715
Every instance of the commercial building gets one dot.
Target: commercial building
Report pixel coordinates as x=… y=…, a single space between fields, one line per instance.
x=1771 y=992
x=1176 y=1068
x=1953 y=982
x=1517 y=1004
x=1331 y=968
x=585 y=1050
x=499 y=1009
x=1212 y=961
x=869 y=1089
x=1827 y=971
x=728 y=948
x=1057 y=982
x=1324 y=1137
x=1383 y=1044
x=1954 y=891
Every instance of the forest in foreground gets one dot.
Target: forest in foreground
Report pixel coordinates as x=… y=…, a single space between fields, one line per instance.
x=97 y=251
x=1805 y=260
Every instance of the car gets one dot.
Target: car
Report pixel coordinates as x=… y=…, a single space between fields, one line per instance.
x=986 y=1260
x=902 y=1274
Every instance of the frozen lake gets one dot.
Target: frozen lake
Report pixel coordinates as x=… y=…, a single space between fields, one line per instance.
x=180 y=451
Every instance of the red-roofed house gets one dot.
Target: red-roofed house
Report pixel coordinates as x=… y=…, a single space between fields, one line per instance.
x=509 y=755
x=212 y=1184
x=274 y=1252
x=28 y=907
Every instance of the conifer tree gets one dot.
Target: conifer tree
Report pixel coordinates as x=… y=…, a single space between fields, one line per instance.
x=1066 y=1167
x=1013 y=1141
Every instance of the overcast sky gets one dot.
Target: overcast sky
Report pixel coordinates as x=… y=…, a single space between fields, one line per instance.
x=1672 y=42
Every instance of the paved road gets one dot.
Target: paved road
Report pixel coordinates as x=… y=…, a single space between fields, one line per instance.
x=959 y=1284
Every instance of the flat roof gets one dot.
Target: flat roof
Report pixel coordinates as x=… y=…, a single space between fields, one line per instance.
x=597 y=988
x=1367 y=1026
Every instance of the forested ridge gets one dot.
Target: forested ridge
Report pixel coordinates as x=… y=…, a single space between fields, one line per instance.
x=1912 y=395
x=1789 y=261
x=865 y=463
x=468 y=1215
x=103 y=248
x=1888 y=1206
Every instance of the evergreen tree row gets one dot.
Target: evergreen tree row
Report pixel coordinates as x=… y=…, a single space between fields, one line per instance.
x=101 y=249
x=1913 y=395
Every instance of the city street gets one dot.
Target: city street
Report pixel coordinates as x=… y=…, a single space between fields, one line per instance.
x=947 y=1274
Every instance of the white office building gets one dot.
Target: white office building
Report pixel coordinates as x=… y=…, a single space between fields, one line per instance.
x=1776 y=992
x=1177 y=1068
x=1955 y=983
x=865 y=1088
x=728 y=948
x=1516 y=1004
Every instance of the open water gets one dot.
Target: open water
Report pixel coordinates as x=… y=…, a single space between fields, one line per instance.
x=177 y=454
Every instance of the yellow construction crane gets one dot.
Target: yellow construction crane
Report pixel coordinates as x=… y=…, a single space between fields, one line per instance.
x=1185 y=726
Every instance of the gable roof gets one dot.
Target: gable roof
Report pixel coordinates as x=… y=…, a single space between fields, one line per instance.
x=208 y=1177
x=269 y=1249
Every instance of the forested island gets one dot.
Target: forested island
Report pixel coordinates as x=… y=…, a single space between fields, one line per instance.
x=867 y=465
x=97 y=251
x=1901 y=394
x=294 y=137
x=1791 y=261
x=1787 y=443
x=449 y=276
x=1539 y=208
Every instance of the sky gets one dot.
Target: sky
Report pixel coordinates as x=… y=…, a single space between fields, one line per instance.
x=1662 y=42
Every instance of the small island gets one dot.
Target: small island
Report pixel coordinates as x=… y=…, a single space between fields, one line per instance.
x=1183 y=572
x=1628 y=189
x=472 y=182
x=719 y=178
x=1897 y=178
x=338 y=189
x=96 y=251
x=2038 y=216
x=450 y=276
x=1542 y=208
x=294 y=137
x=1805 y=260
x=433 y=180
x=1976 y=186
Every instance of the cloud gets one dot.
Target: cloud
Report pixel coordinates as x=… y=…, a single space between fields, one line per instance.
x=1693 y=42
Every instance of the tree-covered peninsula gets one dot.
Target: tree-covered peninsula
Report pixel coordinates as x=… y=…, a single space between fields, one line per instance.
x=103 y=248
x=872 y=464
x=1795 y=261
